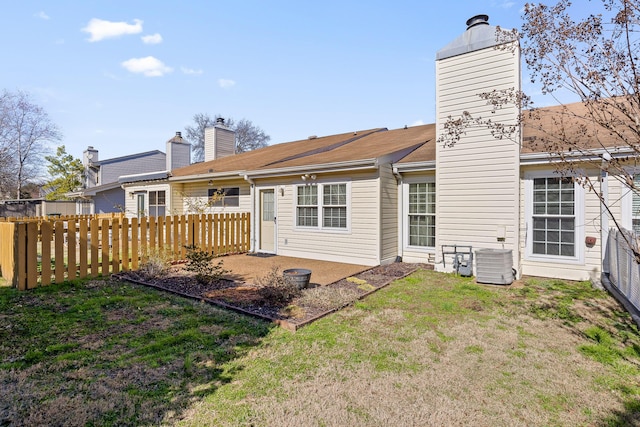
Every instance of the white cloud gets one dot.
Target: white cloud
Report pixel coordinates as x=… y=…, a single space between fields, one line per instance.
x=504 y=4
x=148 y=66
x=152 y=39
x=226 y=83
x=42 y=15
x=100 y=29
x=191 y=71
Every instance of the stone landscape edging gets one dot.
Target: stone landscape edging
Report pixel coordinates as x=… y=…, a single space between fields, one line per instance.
x=283 y=323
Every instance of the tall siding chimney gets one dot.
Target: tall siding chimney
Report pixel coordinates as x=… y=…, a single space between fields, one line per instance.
x=478 y=178
x=178 y=152
x=219 y=141
x=90 y=176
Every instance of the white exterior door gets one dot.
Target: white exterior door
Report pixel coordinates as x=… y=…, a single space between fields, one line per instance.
x=267 y=221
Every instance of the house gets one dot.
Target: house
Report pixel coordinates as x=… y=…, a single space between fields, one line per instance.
x=102 y=191
x=375 y=196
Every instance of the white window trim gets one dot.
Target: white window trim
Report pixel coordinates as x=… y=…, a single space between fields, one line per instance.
x=319 y=227
x=626 y=202
x=405 y=213
x=579 y=207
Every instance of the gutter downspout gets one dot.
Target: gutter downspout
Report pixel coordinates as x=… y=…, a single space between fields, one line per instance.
x=252 y=211
x=400 y=221
x=604 y=215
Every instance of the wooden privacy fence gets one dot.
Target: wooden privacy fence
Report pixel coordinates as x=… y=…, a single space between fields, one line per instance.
x=40 y=253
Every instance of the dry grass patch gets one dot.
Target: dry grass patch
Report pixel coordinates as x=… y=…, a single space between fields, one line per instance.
x=436 y=349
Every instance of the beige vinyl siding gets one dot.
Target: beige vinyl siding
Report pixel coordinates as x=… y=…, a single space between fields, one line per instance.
x=131 y=200
x=360 y=244
x=590 y=266
x=477 y=188
x=389 y=214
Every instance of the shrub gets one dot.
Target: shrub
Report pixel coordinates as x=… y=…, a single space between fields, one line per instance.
x=200 y=262
x=275 y=289
x=155 y=263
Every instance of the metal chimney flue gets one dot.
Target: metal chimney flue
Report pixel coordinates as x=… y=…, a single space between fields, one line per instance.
x=477 y=20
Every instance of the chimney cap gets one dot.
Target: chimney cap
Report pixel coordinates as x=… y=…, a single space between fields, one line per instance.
x=220 y=120
x=477 y=20
x=179 y=134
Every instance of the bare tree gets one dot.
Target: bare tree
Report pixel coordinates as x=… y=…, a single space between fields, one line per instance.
x=25 y=131
x=592 y=59
x=248 y=136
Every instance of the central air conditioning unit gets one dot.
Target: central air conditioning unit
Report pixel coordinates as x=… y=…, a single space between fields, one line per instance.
x=494 y=266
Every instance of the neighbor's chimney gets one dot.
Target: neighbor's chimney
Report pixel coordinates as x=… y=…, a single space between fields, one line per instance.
x=178 y=152
x=219 y=141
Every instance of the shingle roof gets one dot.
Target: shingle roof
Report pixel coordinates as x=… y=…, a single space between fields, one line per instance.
x=403 y=146
x=352 y=146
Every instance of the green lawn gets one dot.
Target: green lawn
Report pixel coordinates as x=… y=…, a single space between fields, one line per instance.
x=431 y=349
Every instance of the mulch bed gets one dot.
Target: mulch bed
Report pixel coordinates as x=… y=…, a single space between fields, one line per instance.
x=245 y=298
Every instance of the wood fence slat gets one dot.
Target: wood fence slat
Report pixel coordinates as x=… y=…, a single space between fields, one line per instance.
x=183 y=237
x=95 y=246
x=72 y=268
x=21 y=256
x=32 y=255
x=167 y=237
x=216 y=234
x=115 y=245
x=46 y=237
x=209 y=234
x=195 y=230
x=176 y=237
x=160 y=228
x=58 y=250
x=144 y=235
x=152 y=235
x=135 y=239
x=104 y=246
x=124 y=240
x=83 y=247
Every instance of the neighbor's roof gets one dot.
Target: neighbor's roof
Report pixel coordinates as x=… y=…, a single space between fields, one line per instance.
x=315 y=151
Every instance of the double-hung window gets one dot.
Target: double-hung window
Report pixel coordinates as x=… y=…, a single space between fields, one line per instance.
x=157 y=203
x=422 y=214
x=553 y=217
x=635 y=204
x=334 y=206
x=323 y=206
x=307 y=206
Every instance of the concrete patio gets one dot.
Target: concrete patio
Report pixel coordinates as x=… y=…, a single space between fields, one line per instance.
x=248 y=267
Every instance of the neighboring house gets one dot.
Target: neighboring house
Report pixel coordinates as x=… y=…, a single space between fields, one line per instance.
x=373 y=196
x=102 y=191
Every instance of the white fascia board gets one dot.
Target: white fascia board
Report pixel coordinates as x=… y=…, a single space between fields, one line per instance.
x=211 y=175
x=319 y=168
x=414 y=167
x=545 y=158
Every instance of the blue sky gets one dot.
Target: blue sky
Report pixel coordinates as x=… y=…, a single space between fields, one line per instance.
x=124 y=76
